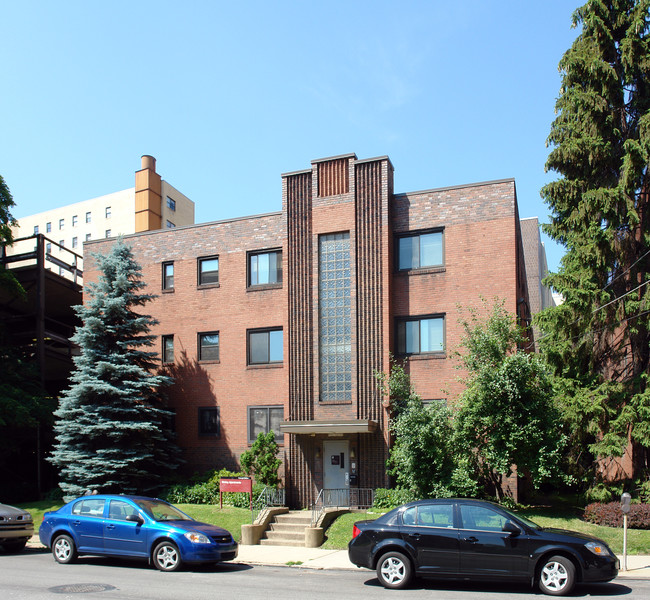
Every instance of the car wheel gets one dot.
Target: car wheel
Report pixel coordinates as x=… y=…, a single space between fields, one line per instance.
x=63 y=549
x=166 y=556
x=394 y=570
x=557 y=576
x=14 y=546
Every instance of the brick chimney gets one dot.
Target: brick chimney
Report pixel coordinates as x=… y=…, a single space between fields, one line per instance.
x=148 y=196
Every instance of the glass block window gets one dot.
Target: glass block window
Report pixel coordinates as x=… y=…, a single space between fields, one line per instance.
x=335 y=327
x=262 y=419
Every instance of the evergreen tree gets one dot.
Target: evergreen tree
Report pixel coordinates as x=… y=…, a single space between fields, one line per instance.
x=110 y=430
x=598 y=340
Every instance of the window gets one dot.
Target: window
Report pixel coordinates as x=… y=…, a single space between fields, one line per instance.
x=119 y=510
x=170 y=225
x=87 y=237
x=433 y=401
x=108 y=212
x=481 y=518
x=35 y=229
x=168 y=276
x=334 y=318
x=91 y=507
x=168 y=348
x=209 y=346
x=74 y=242
x=265 y=268
x=265 y=346
x=48 y=248
x=171 y=204
x=108 y=233
x=262 y=419
x=75 y=220
x=208 y=268
x=48 y=227
x=88 y=217
x=421 y=335
x=419 y=251
x=61 y=224
x=429 y=515
x=209 y=421
x=62 y=243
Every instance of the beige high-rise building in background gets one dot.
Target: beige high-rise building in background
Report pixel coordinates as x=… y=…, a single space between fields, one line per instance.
x=152 y=204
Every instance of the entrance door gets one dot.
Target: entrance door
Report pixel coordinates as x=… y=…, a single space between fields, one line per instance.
x=336 y=471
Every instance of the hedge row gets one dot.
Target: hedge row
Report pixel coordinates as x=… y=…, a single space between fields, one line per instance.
x=610 y=515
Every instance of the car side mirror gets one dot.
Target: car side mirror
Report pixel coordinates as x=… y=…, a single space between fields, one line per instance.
x=511 y=528
x=135 y=519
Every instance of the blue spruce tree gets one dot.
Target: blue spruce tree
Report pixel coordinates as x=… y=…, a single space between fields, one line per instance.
x=110 y=433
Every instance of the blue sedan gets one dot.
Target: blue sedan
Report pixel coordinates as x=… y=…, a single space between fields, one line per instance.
x=133 y=527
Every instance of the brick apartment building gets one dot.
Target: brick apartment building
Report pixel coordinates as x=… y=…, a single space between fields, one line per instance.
x=280 y=321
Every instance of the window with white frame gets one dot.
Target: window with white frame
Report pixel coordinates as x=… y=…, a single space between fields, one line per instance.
x=168 y=275
x=108 y=212
x=88 y=217
x=75 y=220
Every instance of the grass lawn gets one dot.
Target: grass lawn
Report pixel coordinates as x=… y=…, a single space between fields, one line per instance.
x=638 y=540
x=229 y=518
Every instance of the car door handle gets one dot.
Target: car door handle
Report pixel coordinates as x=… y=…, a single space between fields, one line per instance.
x=76 y=522
x=110 y=526
x=471 y=540
x=415 y=536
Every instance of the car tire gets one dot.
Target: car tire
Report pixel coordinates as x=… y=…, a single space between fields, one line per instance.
x=557 y=576
x=166 y=556
x=63 y=549
x=394 y=570
x=16 y=546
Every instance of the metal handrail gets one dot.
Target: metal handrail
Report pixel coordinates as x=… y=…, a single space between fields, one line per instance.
x=268 y=497
x=341 y=498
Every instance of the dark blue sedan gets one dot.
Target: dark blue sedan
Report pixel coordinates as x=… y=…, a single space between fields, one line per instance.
x=133 y=527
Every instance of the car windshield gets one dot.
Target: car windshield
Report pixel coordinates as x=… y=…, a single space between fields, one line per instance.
x=523 y=519
x=161 y=511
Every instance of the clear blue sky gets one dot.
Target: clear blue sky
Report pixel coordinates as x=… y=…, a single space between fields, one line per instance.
x=229 y=95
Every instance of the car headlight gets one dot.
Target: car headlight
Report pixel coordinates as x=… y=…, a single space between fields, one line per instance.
x=598 y=549
x=196 y=538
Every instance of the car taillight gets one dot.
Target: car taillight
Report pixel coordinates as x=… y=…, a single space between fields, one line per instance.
x=355 y=531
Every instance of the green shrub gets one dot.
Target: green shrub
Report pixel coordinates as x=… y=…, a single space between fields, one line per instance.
x=385 y=498
x=601 y=493
x=204 y=489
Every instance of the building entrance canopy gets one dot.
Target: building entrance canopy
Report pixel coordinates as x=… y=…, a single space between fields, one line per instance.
x=329 y=426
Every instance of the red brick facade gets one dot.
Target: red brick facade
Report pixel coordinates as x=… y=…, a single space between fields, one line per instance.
x=482 y=256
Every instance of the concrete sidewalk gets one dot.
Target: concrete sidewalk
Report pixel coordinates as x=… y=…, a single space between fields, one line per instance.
x=638 y=566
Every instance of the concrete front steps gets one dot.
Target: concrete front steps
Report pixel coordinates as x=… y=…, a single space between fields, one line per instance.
x=287 y=529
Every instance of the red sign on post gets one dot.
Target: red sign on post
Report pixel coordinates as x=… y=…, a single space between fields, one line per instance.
x=236 y=484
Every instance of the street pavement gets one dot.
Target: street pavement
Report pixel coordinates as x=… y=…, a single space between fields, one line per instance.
x=638 y=566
